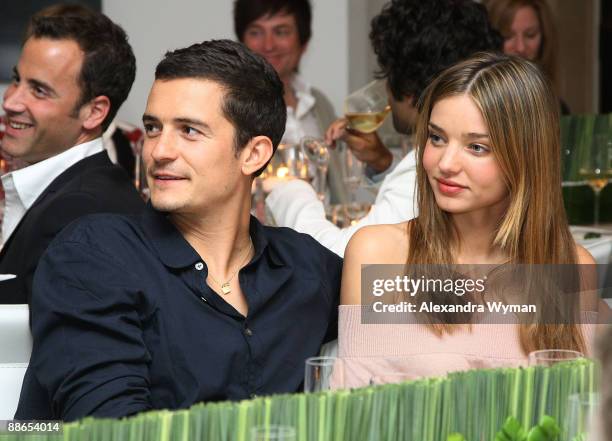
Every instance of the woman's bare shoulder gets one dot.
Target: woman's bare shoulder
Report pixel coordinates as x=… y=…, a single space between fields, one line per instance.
x=584 y=257
x=385 y=243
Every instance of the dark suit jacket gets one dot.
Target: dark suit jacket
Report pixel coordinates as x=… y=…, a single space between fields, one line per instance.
x=92 y=185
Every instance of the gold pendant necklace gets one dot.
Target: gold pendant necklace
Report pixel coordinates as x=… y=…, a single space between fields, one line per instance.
x=225 y=286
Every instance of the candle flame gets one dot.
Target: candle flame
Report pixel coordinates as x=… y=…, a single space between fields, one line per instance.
x=282 y=172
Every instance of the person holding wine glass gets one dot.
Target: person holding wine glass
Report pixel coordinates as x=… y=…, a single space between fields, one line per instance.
x=279 y=31
x=488 y=192
x=413 y=42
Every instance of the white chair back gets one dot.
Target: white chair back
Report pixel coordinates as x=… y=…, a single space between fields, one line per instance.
x=15 y=350
x=11 y=379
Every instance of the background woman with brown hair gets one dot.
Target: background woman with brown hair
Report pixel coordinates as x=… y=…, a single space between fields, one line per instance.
x=529 y=31
x=488 y=192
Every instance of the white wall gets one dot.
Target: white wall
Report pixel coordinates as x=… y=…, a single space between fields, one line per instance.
x=338 y=58
x=155 y=26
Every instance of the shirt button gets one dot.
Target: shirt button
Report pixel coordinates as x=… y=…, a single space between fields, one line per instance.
x=248 y=332
x=199 y=266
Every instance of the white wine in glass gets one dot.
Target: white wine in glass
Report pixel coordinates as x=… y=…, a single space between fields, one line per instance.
x=367 y=122
x=596 y=168
x=366 y=108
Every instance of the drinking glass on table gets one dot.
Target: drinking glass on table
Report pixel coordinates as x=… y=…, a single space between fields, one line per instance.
x=317 y=152
x=582 y=416
x=548 y=357
x=273 y=433
x=596 y=168
x=287 y=161
x=323 y=373
x=391 y=377
x=352 y=170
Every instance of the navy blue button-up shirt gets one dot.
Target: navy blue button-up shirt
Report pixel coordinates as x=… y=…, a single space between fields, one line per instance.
x=123 y=320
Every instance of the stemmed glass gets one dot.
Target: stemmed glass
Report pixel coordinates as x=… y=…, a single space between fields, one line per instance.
x=366 y=108
x=582 y=416
x=317 y=152
x=596 y=168
x=548 y=357
x=273 y=433
x=288 y=160
x=352 y=172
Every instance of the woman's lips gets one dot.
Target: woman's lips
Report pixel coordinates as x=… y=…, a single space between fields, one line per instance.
x=449 y=187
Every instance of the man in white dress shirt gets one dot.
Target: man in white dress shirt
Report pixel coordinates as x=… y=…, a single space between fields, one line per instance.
x=413 y=41
x=75 y=70
x=279 y=31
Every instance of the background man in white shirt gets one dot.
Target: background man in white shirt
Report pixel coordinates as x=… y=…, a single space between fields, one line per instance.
x=413 y=40
x=279 y=30
x=76 y=69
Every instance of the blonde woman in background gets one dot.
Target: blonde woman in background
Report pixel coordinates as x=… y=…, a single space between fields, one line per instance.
x=529 y=31
x=488 y=192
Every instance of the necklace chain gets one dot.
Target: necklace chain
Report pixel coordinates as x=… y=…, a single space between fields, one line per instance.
x=225 y=287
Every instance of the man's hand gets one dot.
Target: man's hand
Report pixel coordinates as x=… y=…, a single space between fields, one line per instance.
x=367 y=147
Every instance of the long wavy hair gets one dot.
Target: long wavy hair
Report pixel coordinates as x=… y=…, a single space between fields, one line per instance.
x=501 y=15
x=521 y=113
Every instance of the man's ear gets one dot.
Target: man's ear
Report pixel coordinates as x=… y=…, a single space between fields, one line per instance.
x=94 y=112
x=256 y=154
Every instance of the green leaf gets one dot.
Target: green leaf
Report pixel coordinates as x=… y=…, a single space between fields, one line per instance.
x=455 y=437
x=546 y=430
x=511 y=431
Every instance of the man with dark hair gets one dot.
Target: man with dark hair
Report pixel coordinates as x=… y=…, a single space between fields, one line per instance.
x=76 y=69
x=193 y=299
x=414 y=40
x=279 y=30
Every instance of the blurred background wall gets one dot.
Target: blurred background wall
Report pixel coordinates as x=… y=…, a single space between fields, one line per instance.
x=339 y=58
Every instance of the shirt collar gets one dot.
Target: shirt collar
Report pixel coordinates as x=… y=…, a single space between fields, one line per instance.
x=303 y=92
x=175 y=252
x=29 y=182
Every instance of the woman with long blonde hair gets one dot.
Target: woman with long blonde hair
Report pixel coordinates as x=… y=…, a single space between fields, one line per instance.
x=488 y=192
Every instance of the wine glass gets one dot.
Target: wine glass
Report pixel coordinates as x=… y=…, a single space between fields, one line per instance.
x=288 y=161
x=352 y=171
x=548 y=357
x=365 y=111
x=366 y=108
x=596 y=168
x=581 y=418
x=323 y=373
x=273 y=433
x=354 y=211
x=317 y=152
x=391 y=377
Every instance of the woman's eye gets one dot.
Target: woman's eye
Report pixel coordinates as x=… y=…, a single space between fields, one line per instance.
x=477 y=148
x=435 y=139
